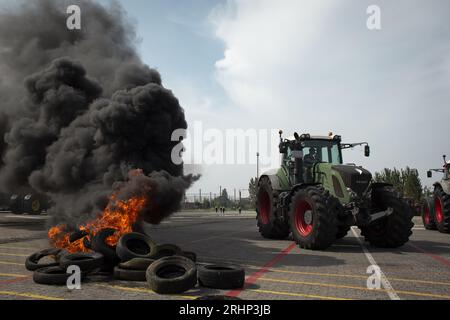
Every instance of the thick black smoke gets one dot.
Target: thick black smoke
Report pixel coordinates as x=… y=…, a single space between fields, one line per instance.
x=80 y=111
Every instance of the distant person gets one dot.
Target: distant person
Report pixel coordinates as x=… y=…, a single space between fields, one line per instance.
x=217 y=209
x=240 y=210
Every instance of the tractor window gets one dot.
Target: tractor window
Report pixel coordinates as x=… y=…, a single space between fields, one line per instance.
x=327 y=151
x=448 y=171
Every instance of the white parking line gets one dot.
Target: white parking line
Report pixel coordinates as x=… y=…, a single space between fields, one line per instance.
x=384 y=281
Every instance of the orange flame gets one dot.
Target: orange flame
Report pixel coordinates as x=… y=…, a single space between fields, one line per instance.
x=120 y=215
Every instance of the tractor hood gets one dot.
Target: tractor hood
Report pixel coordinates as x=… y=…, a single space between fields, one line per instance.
x=355 y=178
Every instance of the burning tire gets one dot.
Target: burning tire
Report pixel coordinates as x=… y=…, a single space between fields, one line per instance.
x=313 y=223
x=99 y=245
x=171 y=275
x=394 y=230
x=135 y=245
x=442 y=210
x=136 y=264
x=428 y=215
x=166 y=250
x=220 y=276
x=266 y=199
x=129 y=275
x=52 y=276
x=32 y=262
x=87 y=262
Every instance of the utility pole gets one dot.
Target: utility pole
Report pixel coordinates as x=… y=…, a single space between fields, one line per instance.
x=257 y=165
x=200 y=195
x=235 y=195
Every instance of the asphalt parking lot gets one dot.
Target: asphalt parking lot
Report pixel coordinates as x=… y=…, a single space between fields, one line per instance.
x=275 y=269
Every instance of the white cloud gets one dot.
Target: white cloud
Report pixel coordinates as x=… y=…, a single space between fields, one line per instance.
x=314 y=66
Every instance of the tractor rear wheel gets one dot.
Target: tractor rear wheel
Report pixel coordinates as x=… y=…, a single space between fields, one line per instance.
x=313 y=222
x=394 y=230
x=342 y=232
x=442 y=210
x=428 y=214
x=266 y=201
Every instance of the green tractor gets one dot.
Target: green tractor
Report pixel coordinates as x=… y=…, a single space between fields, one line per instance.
x=436 y=210
x=317 y=198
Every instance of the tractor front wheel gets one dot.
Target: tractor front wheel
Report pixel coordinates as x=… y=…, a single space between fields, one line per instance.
x=313 y=223
x=442 y=210
x=394 y=230
x=266 y=201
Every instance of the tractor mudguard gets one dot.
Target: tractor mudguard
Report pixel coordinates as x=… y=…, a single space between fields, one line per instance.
x=443 y=186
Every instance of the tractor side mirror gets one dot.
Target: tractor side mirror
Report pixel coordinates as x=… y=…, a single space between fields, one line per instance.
x=367 y=151
x=429 y=174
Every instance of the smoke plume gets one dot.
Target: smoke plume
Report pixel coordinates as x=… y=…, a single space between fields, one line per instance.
x=82 y=116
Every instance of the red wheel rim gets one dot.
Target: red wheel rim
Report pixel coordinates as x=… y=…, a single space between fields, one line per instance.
x=264 y=208
x=303 y=226
x=438 y=210
x=426 y=215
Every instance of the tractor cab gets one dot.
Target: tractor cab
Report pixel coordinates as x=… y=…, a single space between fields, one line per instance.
x=301 y=154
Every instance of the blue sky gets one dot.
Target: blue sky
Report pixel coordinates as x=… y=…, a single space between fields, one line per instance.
x=178 y=40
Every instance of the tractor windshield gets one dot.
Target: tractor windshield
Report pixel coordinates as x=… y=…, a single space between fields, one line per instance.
x=322 y=151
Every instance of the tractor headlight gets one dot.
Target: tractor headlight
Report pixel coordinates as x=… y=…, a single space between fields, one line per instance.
x=352 y=193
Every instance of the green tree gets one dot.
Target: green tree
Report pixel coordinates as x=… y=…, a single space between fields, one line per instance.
x=252 y=189
x=405 y=181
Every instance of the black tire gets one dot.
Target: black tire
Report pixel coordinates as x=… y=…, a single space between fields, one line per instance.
x=87 y=262
x=266 y=201
x=135 y=245
x=129 y=275
x=342 y=232
x=52 y=276
x=32 y=204
x=32 y=262
x=427 y=214
x=221 y=276
x=312 y=220
x=98 y=244
x=136 y=264
x=16 y=204
x=80 y=234
x=442 y=210
x=394 y=230
x=166 y=250
x=171 y=275
x=190 y=255
x=218 y=298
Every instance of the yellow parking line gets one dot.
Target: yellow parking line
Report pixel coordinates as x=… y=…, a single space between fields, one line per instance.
x=28 y=295
x=13 y=254
x=357 y=277
x=11 y=263
x=13 y=275
x=145 y=291
x=332 y=285
x=18 y=248
x=292 y=294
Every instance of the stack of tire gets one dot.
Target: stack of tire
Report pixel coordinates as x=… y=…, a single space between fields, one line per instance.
x=165 y=267
x=32 y=204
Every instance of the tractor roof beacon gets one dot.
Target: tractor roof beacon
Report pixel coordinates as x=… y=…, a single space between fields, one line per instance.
x=436 y=210
x=317 y=198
